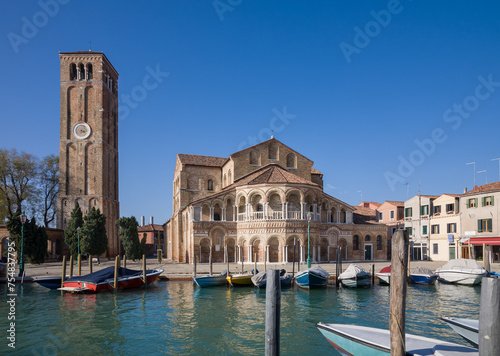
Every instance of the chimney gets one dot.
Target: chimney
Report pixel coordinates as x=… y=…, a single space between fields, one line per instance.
x=151 y=220
x=142 y=220
x=465 y=190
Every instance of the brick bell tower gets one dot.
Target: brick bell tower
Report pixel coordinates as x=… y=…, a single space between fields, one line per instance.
x=88 y=146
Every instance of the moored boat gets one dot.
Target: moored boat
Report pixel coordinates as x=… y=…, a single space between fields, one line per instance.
x=384 y=276
x=355 y=276
x=211 y=280
x=241 y=279
x=423 y=275
x=466 y=328
x=104 y=280
x=356 y=340
x=314 y=277
x=461 y=271
x=260 y=279
x=49 y=282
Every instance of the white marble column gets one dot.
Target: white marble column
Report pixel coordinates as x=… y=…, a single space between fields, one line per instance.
x=302 y=253
x=211 y=213
x=267 y=253
x=319 y=254
x=225 y=253
x=266 y=210
x=302 y=210
x=250 y=254
x=338 y=216
x=235 y=213
x=224 y=214
x=315 y=211
x=285 y=254
x=319 y=213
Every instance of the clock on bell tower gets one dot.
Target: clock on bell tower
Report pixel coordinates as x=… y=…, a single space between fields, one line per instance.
x=88 y=145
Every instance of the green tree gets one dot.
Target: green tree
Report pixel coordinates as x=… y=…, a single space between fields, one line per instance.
x=35 y=242
x=129 y=237
x=14 y=227
x=35 y=238
x=71 y=234
x=93 y=238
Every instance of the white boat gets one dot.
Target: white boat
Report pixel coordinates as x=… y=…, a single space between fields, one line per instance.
x=461 y=271
x=355 y=276
x=354 y=340
x=466 y=328
x=384 y=276
x=423 y=275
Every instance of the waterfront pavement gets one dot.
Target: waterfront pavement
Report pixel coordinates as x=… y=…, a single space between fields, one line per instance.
x=173 y=270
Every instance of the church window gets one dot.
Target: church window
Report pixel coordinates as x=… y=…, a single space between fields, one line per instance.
x=273 y=151
x=210 y=184
x=355 y=242
x=89 y=71
x=81 y=72
x=367 y=238
x=254 y=157
x=290 y=161
x=379 y=242
x=216 y=217
x=72 y=71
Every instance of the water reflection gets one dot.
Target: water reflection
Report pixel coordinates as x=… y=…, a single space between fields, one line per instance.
x=177 y=317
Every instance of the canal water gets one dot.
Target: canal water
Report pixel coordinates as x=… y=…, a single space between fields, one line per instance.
x=178 y=318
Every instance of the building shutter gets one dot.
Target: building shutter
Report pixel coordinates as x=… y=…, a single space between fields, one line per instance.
x=482 y=201
x=479 y=226
x=475 y=201
x=490 y=223
x=468 y=203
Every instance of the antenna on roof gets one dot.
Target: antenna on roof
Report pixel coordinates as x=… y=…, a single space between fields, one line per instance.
x=90 y=45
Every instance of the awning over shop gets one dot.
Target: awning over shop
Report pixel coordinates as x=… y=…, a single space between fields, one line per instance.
x=483 y=240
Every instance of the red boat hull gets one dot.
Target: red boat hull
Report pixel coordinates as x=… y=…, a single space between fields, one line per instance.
x=123 y=283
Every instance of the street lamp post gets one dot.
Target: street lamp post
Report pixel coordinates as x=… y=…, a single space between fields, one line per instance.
x=309 y=217
x=21 y=263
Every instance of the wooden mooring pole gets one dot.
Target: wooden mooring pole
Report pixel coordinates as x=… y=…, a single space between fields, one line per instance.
x=63 y=271
x=90 y=263
x=373 y=274
x=144 y=270
x=194 y=266
x=254 y=264
x=124 y=261
x=397 y=326
x=293 y=263
x=227 y=260
x=70 y=266
x=117 y=265
x=210 y=262
x=273 y=313
x=337 y=268
x=489 y=317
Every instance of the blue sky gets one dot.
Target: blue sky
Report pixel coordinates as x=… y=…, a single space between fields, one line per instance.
x=379 y=94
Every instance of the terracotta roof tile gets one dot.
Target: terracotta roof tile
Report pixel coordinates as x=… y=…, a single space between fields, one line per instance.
x=396 y=203
x=272 y=173
x=485 y=188
x=315 y=171
x=150 y=227
x=196 y=160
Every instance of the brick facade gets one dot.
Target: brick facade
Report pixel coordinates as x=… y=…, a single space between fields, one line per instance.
x=255 y=204
x=88 y=149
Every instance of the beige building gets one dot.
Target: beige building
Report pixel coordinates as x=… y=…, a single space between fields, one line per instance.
x=391 y=213
x=257 y=203
x=417 y=220
x=444 y=228
x=480 y=215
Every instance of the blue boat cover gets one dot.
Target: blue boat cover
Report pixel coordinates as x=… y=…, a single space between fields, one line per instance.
x=107 y=273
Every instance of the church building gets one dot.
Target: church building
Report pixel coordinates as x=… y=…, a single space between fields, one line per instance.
x=88 y=145
x=255 y=204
